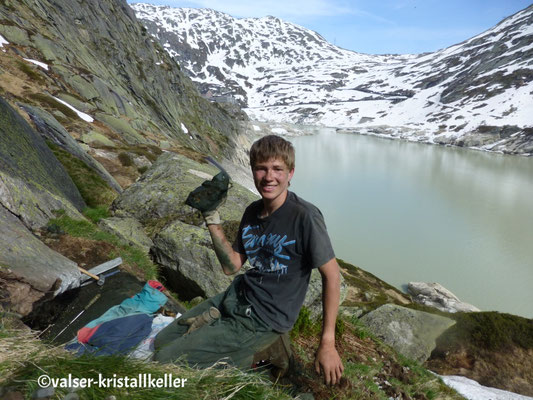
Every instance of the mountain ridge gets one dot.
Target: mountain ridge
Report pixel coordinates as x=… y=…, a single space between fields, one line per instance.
x=474 y=94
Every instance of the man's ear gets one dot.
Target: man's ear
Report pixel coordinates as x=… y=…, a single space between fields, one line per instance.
x=291 y=173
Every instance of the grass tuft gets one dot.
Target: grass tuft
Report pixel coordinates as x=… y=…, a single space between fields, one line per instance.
x=490 y=331
x=30 y=72
x=92 y=187
x=304 y=325
x=24 y=359
x=131 y=256
x=96 y=214
x=125 y=159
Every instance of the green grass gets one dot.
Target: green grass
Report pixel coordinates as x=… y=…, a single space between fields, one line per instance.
x=373 y=369
x=30 y=72
x=87 y=229
x=94 y=190
x=368 y=283
x=21 y=370
x=96 y=214
x=125 y=159
x=304 y=325
x=359 y=330
x=142 y=169
x=490 y=331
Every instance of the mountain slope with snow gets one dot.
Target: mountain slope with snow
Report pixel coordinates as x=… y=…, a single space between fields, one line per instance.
x=478 y=93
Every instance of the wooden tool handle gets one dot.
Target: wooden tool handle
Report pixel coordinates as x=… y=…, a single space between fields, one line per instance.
x=84 y=271
x=92 y=301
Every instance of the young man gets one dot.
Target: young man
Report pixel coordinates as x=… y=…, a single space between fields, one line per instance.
x=284 y=238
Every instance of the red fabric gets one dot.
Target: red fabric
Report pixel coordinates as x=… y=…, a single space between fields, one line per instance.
x=156 y=285
x=84 y=334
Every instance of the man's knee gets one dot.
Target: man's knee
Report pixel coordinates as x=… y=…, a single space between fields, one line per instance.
x=168 y=334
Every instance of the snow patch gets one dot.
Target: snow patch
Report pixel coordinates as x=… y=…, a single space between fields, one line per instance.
x=184 y=129
x=474 y=391
x=82 y=115
x=39 y=63
x=279 y=131
x=2 y=42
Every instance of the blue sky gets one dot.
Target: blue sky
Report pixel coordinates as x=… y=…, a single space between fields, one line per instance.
x=375 y=26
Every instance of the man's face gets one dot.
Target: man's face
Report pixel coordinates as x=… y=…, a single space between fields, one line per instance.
x=272 y=178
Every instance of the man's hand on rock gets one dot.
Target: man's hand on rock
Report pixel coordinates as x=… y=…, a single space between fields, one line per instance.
x=328 y=361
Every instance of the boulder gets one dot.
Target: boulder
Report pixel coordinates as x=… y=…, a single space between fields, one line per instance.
x=32 y=181
x=191 y=266
x=350 y=312
x=29 y=269
x=128 y=230
x=158 y=197
x=410 y=332
x=181 y=243
x=437 y=296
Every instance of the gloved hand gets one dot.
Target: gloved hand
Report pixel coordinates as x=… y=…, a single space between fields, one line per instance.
x=210 y=196
x=212 y=217
x=205 y=318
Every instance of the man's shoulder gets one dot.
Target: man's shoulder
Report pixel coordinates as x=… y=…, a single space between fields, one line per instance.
x=302 y=206
x=299 y=202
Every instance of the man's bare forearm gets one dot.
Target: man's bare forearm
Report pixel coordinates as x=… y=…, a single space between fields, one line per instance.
x=229 y=259
x=330 y=304
x=327 y=358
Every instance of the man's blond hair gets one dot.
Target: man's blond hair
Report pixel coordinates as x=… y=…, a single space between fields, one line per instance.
x=272 y=147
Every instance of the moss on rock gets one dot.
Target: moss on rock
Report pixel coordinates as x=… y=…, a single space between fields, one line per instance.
x=94 y=190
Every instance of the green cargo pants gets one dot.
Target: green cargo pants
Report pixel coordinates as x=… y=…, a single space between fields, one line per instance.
x=234 y=338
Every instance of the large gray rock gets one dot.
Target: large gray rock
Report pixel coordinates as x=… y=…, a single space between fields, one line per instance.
x=181 y=243
x=51 y=129
x=410 y=332
x=192 y=267
x=128 y=230
x=159 y=195
x=29 y=269
x=437 y=296
x=32 y=182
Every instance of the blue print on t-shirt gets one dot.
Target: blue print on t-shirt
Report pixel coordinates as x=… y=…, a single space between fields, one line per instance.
x=265 y=251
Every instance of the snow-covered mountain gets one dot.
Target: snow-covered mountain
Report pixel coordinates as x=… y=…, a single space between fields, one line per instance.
x=478 y=93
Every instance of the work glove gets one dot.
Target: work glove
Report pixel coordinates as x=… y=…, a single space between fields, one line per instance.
x=205 y=318
x=209 y=197
x=212 y=217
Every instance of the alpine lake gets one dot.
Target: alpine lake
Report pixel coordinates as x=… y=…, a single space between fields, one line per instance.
x=407 y=211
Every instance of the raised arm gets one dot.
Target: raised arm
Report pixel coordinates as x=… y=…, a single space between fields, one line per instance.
x=230 y=260
x=327 y=359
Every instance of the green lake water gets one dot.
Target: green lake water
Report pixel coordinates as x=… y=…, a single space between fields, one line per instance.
x=417 y=212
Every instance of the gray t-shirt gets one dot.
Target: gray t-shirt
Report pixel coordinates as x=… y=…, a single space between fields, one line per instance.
x=282 y=250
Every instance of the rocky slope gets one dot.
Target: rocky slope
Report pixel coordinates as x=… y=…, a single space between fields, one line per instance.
x=99 y=59
x=87 y=79
x=476 y=93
